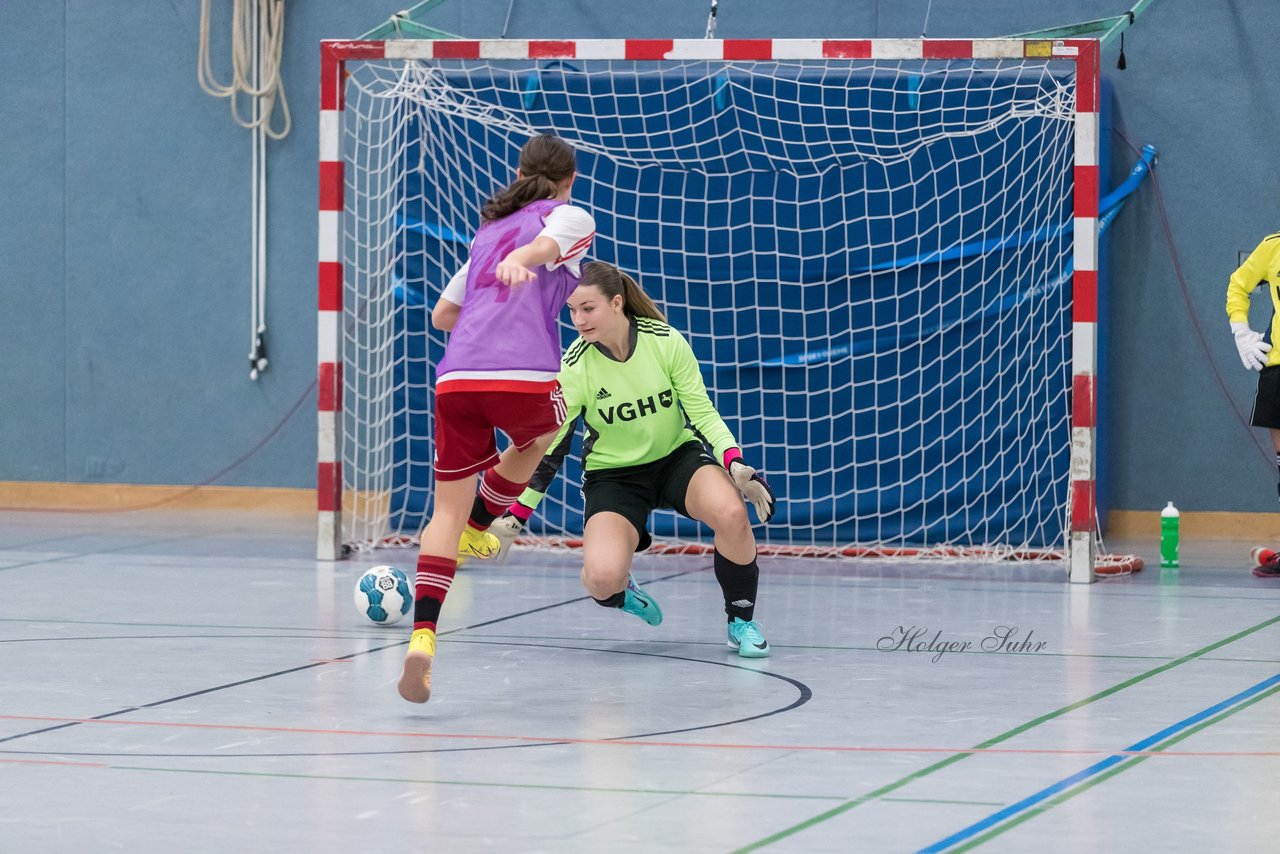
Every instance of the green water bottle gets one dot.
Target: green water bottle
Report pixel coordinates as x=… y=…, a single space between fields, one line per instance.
x=1169 y=536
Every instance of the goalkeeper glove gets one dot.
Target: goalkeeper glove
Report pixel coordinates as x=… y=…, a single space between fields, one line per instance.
x=508 y=527
x=1253 y=350
x=753 y=488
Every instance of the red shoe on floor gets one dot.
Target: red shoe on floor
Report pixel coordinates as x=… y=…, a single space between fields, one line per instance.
x=1267 y=562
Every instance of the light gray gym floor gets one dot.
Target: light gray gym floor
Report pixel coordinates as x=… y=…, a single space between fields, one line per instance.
x=196 y=681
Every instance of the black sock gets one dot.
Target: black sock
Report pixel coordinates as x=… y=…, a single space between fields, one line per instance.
x=738 y=582
x=614 y=601
x=481 y=517
x=427 y=610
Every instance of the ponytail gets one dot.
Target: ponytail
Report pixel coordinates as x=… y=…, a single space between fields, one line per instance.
x=545 y=162
x=636 y=302
x=613 y=282
x=522 y=191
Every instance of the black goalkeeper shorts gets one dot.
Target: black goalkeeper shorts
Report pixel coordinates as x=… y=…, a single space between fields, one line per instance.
x=1266 y=403
x=636 y=491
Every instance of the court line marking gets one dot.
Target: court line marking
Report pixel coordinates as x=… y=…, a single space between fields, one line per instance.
x=1082 y=781
x=36 y=544
x=189 y=695
x=478 y=783
x=372 y=631
x=942 y=801
x=379 y=634
x=994 y=740
x=83 y=638
x=830 y=648
x=493 y=638
x=58 y=558
x=55 y=762
x=803 y=691
x=806 y=693
x=1140 y=756
x=633 y=742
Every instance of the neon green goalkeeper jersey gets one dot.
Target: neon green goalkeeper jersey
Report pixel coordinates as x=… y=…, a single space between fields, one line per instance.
x=635 y=411
x=1262 y=265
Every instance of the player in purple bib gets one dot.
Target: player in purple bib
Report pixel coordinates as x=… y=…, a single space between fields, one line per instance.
x=498 y=373
x=502 y=332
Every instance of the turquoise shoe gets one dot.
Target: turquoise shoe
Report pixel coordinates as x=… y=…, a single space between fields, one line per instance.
x=745 y=636
x=640 y=603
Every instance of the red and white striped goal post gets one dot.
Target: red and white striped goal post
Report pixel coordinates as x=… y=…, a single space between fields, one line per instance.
x=1081 y=543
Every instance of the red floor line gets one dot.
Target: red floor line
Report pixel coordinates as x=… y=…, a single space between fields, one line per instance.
x=641 y=742
x=54 y=762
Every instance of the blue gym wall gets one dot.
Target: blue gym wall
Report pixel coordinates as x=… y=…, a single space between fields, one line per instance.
x=124 y=228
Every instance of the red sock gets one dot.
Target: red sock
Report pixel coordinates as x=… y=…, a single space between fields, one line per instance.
x=496 y=495
x=434 y=578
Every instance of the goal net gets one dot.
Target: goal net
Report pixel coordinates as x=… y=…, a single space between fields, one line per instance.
x=873 y=259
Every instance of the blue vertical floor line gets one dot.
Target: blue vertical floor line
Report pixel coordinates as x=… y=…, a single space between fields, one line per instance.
x=1097 y=768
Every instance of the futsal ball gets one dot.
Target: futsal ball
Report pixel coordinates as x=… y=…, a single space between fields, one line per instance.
x=383 y=595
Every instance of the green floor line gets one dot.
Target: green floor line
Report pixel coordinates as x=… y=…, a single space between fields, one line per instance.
x=1109 y=773
x=419 y=782
x=1002 y=737
x=942 y=801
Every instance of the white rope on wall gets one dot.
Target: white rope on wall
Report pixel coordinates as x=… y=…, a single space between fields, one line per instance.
x=257 y=45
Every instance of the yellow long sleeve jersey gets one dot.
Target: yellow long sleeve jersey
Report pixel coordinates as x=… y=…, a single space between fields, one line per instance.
x=1261 y=267
x=635 y=411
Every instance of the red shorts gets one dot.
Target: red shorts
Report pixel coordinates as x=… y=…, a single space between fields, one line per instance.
x=465 y=421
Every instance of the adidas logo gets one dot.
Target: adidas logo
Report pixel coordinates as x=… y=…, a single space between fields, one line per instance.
x=602 y=394
x=741 y=603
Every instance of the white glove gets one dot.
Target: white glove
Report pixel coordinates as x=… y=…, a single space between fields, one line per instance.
x=753 y=488
x=506 y=529
x=1253 y=350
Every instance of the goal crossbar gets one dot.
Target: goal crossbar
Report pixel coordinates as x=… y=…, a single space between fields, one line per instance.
x=1081 y=539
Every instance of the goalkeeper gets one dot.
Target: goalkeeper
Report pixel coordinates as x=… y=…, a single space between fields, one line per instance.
x=1255 y=348
x=636 y=383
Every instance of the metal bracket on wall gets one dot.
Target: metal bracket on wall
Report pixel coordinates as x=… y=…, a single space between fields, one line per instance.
x=1111 y=28
x=405 y=25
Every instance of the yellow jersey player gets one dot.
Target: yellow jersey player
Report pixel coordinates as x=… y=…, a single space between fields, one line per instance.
x=1257 y=351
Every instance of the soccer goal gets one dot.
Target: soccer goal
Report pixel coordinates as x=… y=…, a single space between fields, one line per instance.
x=884 y=253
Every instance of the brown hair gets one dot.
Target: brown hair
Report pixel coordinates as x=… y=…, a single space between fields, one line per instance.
x=611 y=281
x=545 y=161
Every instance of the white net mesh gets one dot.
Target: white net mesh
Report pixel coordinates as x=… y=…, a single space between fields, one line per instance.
x=872 y=260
